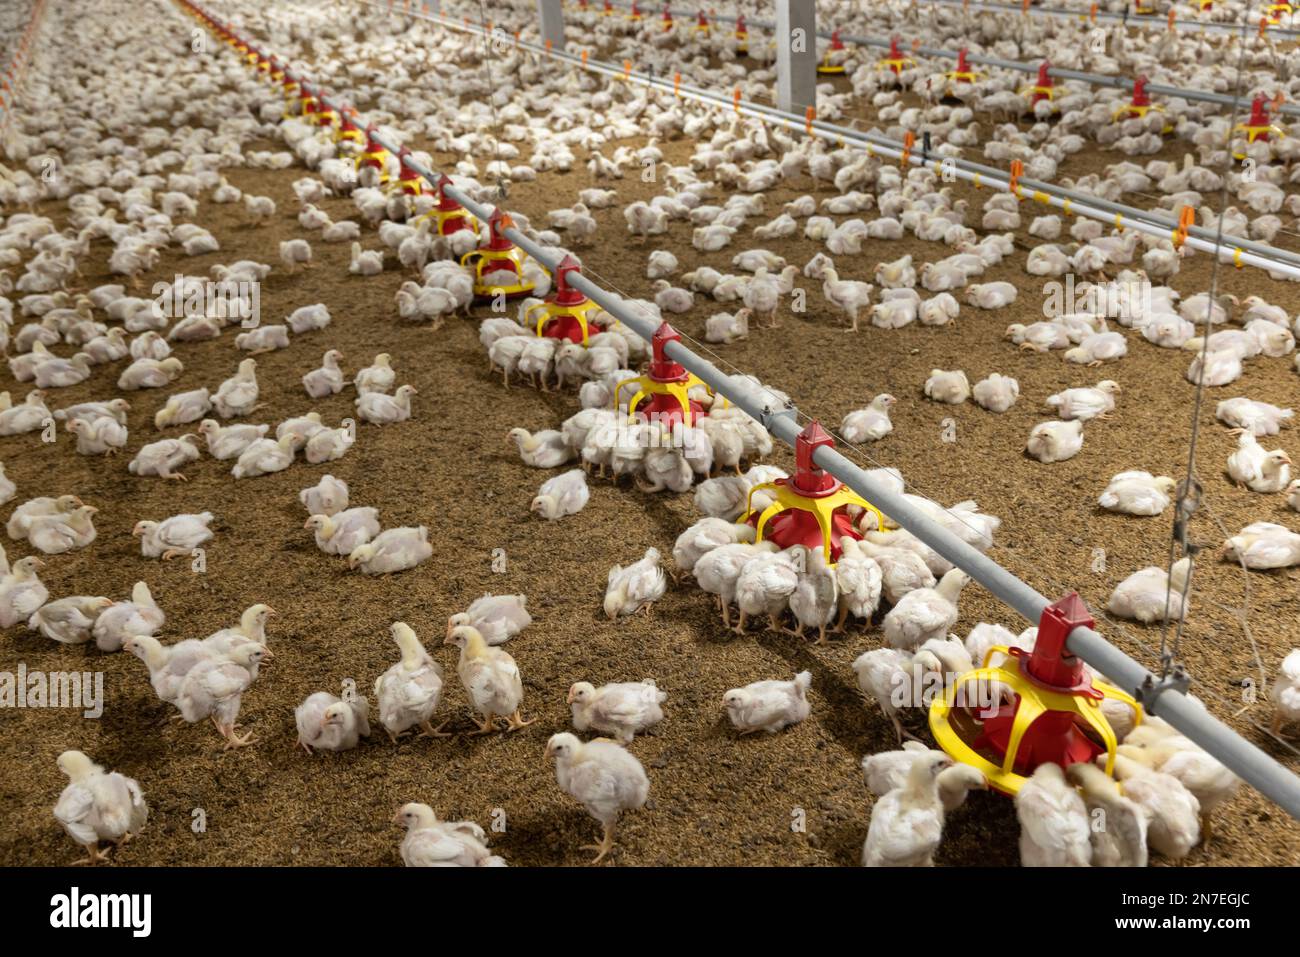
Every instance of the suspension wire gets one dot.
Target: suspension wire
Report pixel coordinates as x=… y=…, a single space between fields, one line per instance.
x=1189 y=490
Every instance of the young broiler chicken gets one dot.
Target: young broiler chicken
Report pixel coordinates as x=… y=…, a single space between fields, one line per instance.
x=1055 y=441
x=1285 y=693
x=769 y=705
x=718 y=571
x=897 y=678
x=1143 y=595
x=177 y=535
x=213 y=688
x=996 y=393
x=1258 y=418
x=564 y=494
x=815 y=599
x=925 y=613
x=602 y=776
x=869 y=424
x=859 y=582
x=1158 y=746
x=408 y=693
x=98 y=805
x=491 y=679
x=907 y=823
x=703 y=537
x=1122 y=841
x=1173 y=814
x=68 y=620
x=636 y=587
x=498 y=618
x=120 y=621
x=1138 y=493
x=326 y=722
x=1055 y=829
x=950 y=387
x=1263 y=545
x=846 y=295
x=622 y=709
x=433 y=843
x=888 y=770
x=1258 y=470
x=764 y=587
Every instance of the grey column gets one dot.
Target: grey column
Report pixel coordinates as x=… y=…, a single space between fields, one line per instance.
x=796 y=69
x=551 y=15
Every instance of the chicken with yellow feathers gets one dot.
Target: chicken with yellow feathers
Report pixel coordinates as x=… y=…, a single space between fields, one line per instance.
x=491 y=679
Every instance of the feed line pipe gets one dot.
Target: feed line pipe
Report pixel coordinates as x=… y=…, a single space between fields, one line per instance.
x=16 y=71
x=1019 y=66
x=1134 y=20
x=1167 y=701
x=1238 y=250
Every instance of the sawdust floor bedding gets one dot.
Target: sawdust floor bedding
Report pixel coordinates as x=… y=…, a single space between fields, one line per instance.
x=715 y=799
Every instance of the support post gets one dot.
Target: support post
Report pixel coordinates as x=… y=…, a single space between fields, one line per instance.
x=796 y=55
x=550 y=13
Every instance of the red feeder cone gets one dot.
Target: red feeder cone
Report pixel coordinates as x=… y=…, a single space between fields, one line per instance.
x=668 y=19
x=742 y=35
x=701 y=23
x=812 y=506
x=1044 y=88
x=408 y=180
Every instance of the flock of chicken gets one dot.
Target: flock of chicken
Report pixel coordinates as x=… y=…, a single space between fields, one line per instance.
x=133 y=196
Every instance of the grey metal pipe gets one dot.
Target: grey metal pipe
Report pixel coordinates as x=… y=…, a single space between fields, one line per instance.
x=1240 y=756
x=1166 y=222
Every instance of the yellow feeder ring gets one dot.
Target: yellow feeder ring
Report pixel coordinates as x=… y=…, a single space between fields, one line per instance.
x=1055 y=703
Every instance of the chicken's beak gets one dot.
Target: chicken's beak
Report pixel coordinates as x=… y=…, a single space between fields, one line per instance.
x=449 y=627
x=268 y=655
x=572 y=694
x=397 y=817
x=307 y=524
x=137 y=532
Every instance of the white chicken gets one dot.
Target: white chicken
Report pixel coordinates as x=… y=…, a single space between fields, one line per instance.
x=925 y=613
x=491 y=680
x=1055 y=441
x=433 y=843
x=871 y=423
x=1153 y=594
x=950 y=387
x=1118 y=834
x=769 y=705
x=1055 y=830
x=326 y=722
x=601 y=775
x=1138 y=493
x=498 y=618
x=177 y=535
x=1085 y=403
x=98 y=805
x=408 y=693
x=907 y=823
x=996 y=392
x=622 y=709
x=1258 y=470
x=636 y=587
